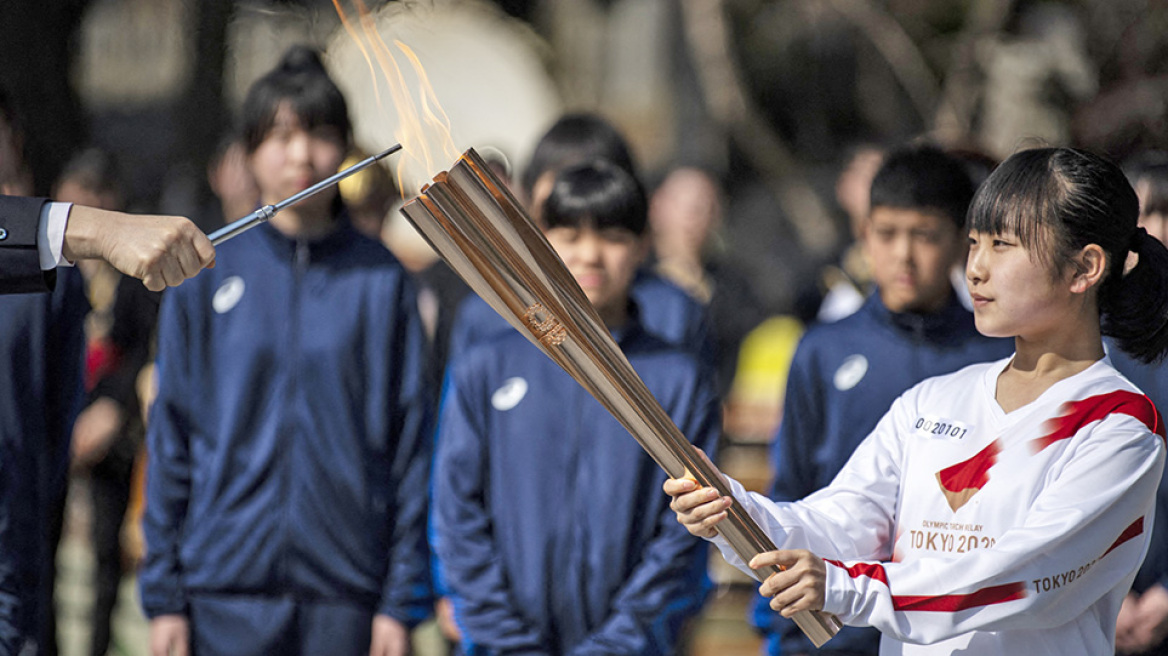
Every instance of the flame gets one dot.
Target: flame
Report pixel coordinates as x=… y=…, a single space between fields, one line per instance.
x=424 y=133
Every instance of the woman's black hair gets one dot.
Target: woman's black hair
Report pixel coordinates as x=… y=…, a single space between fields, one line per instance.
x=597 y=194
x=300 y=80
x=1056 y=201
x=573 y=139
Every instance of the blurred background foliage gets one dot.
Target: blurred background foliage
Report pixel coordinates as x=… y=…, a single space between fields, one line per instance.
x=771 y=94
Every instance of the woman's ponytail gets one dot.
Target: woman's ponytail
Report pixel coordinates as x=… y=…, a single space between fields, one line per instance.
x=1134 y=306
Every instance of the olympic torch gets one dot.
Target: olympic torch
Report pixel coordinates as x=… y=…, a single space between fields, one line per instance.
x=470 y=218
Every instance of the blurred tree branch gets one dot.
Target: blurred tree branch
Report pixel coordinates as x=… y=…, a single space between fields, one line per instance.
x=904 y=58
x=708 y=35
x=953 y=121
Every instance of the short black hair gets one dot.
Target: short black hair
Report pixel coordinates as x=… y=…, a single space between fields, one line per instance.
x=300 y=80
x=597 y=194
x=576 y=138
x=923 y=178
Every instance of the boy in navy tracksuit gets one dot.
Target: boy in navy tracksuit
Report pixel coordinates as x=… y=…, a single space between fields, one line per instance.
x=289 y=444
x=845 y=375
x=548 y=520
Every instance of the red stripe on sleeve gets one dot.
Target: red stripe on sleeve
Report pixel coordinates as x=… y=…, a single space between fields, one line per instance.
x=952 y=603
x=1136 y=528
x=871 y=570
x=936 y=603
x=1077 y=414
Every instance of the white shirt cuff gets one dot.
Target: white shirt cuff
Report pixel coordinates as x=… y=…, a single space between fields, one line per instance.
x=51 y=235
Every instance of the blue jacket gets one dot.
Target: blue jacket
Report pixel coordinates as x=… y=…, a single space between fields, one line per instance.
x=42 y=345
x=843 y=379
x=1153 y=380
x=666 y=312
x=549 y=520
x=289 y=444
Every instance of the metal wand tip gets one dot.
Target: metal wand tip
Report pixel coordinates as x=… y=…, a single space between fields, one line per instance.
x=388 y=151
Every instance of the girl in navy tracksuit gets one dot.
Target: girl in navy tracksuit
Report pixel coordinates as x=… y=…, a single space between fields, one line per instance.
x=549 y=526
x=288 y=444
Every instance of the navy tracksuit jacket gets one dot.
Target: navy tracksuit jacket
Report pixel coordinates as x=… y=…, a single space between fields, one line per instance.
x=549 y=521
x=289 y=446
x=666 y=311
x=42 y=346
x=843 y=379
x=1153 y=380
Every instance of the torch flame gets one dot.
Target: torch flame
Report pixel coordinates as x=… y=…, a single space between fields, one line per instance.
x=424 y=134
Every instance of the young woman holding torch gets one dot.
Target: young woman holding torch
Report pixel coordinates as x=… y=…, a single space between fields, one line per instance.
x=1004 y=508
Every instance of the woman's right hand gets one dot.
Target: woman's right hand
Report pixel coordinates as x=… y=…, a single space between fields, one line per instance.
x=698 y=509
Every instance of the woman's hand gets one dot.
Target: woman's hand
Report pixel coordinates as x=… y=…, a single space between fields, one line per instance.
x=698 y=509
x=801 y=586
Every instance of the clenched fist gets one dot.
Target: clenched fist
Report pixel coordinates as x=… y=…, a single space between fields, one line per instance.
x=161 y=251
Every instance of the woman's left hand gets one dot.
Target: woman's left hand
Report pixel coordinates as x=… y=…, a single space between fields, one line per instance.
x=801 y=586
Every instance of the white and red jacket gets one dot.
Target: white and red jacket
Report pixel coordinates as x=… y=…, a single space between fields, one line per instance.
x=957 y=527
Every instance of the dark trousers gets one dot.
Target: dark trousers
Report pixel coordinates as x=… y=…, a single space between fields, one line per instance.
x=54 y=525
x=246 y=625
x=109 y=489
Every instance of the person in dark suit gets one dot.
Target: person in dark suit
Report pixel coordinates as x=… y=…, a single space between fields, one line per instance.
x=37 y=235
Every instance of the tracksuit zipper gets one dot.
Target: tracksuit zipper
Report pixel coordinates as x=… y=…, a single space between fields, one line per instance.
x=300 y=264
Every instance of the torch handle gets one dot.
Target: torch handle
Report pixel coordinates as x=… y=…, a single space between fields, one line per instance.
x=266 y=212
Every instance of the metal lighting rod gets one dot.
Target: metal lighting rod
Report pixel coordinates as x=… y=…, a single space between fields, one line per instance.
x=268 y=211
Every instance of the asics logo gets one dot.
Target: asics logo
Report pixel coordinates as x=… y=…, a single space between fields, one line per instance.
x=228 y=294
x=509 y=395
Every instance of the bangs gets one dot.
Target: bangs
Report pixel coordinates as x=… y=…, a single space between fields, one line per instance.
x=599 y=195
x=578 y=218
x=312 y=97
x=1021 y=198
x=321 y=105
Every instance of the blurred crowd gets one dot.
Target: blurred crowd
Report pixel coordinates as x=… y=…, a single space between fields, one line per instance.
x=327 y=439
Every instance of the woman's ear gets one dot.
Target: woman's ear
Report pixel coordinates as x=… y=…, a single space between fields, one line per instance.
x=1090 y=268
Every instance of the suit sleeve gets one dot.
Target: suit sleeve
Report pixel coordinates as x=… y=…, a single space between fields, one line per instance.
x=20 y=267
x=669 y=584
x=408 y=594
x=463 y=537
x=168 y=476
